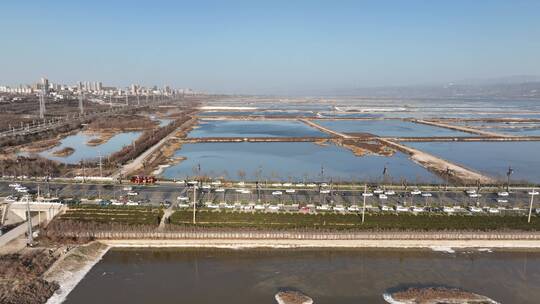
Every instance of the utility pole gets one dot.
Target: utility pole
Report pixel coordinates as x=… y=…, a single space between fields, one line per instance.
x=42 y=104
x=100 y=165
x=364 y=205
x=81 y=96
x=194 y=203
x=510 y=171
x=29 y=221
x=532 y=193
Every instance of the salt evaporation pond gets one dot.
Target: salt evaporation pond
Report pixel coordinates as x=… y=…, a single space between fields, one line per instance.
x=492 y=158
x=210 y=276
x=388 y=128
x=86 y=152
x=241 y=128
x=292 y=161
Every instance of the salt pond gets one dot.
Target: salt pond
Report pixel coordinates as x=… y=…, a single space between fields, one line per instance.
x=388 y=128
x=240 y=128
x=295 y=161
x=492 y=158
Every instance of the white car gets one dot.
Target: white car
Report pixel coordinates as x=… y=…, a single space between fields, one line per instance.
x=244 y=191
x=474 y=195
x=132 y=193
x=400 y=208
x=339 y=208
x=276 y=185
x=117 y=204
x=502 y=201
x=220 y=190
x=324 y=185
x=290 y=191
x=14 y=185
x=378 y=191
x=534 y=192
x=494 y=210
x=183 y=198
x=277 y=193
x=417 y=209
x=300 y=185
x=273 y=208
x=353 y=208
x=259 y=207
x=426 y=194
x=367 y=194
x=383 y=196
x=324 y=191
x=311 y=185
x=206 y=187
x=475 y=209
x=471 y=191
x=448 y=209
x=287 y=184
x=10 y=199
x=323 y=207
x=215 y=183
x=181 y=205
x=127 y=188
x=503 y=193
x=390 y=192
x=385 y=208
x=130 y=203
x=416 y=192
x=21 y=190
x=241 y=184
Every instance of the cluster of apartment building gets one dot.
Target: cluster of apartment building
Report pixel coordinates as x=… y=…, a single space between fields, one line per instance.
x=96 y=88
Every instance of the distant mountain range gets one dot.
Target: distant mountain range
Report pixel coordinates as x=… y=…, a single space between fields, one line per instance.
x=527 y=87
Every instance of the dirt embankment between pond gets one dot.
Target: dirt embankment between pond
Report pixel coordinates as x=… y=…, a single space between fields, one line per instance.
x=160 y=153
x=441 y=166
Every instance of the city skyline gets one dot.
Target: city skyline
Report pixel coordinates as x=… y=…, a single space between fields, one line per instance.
x=269 y=48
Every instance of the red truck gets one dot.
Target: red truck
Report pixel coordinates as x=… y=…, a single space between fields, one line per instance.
x=140 y=179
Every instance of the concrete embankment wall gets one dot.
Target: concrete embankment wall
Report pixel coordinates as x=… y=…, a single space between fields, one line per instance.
x=299 y=235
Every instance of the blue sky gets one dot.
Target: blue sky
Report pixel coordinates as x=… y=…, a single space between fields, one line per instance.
x=268 y=46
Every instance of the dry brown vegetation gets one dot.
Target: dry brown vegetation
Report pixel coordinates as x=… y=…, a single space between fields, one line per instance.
x=21 y=280
x=432 y=295
x=122 y=122
x=31 y=166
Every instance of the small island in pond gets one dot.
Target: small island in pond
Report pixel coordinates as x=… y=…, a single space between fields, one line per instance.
x=67 y=151
x=292 y=297
x=435 y=295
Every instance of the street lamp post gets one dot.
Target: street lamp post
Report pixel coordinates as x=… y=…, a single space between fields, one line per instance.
x=364 y=204
x=508 y=173
x=532 y=193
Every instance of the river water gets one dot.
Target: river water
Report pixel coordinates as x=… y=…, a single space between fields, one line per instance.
x=329 y=276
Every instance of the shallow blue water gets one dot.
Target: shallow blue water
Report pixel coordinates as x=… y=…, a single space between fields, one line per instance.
x=239 y=128
x=388 y=127
x=86 y=152
x=492 y=158
x=292 y=161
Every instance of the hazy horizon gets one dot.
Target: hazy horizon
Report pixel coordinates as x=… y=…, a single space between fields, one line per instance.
x=278 y=47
